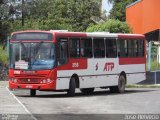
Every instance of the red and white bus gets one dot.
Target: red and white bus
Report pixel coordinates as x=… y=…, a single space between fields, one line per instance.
x=64 y=61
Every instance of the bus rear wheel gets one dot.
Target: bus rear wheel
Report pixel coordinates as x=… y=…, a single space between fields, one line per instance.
x=121 y=85
x=32 y=92
x=87 y=90
x=72 y=87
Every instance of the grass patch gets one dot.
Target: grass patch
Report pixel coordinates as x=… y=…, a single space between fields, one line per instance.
x=143 y=86
x=3 y=55
x=154 y=65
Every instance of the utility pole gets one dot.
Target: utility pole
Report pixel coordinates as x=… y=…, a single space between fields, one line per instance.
x=22 y=13
x=149 y=55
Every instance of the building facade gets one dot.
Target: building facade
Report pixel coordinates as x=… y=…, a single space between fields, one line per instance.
x=144 y=18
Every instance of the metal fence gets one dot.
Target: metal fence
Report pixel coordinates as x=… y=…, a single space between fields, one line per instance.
x=152 y=77
x=153 y=66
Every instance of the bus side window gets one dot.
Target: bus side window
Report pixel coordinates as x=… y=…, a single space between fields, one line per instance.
x=132 y=48
x=74 y=47
x=140 y=48
x=99 y=47
x=122 y=48
x=86 y=47
x=111 y=48
x=62 y=53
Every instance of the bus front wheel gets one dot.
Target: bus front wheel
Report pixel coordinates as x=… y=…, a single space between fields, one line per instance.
x=32 y=92
x=121 y=86
x=72 y=87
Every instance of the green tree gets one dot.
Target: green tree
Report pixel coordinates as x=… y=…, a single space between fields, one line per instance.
x=3 y=15
x=119 y=9
x=112 y=26
x=65 y=14
x=6 y=11
x=74 y=15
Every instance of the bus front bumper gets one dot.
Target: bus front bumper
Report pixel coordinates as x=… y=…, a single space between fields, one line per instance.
x=47 y=86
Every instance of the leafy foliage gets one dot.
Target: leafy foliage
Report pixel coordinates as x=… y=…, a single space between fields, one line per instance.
x=74 y=15
x=3 y=55
x=4 y=8
x=112 y=26
x=119 y=9
x=65 y=14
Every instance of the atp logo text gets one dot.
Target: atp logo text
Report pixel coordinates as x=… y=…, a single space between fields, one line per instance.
x=108 y=66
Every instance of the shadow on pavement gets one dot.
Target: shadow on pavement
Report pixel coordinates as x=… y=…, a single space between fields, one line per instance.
x=80 y=117
x=77 y=95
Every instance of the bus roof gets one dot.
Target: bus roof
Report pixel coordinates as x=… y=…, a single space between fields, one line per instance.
x=30 y=31
x=99 y=34
x=87 y=34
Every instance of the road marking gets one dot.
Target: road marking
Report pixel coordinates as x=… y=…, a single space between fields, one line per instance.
x=21 y=104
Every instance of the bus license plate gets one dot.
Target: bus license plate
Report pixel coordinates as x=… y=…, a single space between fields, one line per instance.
x=29 y=86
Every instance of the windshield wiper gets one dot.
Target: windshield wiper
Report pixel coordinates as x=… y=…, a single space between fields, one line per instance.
x=24 y=50
x=38 y=46
x=22 y=44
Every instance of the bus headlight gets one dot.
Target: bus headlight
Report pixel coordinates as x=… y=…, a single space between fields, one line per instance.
x=13 y=80
x=46 y=81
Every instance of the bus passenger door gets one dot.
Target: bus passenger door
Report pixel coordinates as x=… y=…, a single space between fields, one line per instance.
x=62 y=61
x=62 y=52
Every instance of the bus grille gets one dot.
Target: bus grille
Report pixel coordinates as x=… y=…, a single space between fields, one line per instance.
x=29 y=81
x=27 y=76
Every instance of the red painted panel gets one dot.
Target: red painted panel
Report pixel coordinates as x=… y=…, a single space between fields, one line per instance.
x=49 y=86
x=38 y=75
x=131 y=36
x=70 y=34
x=74 y=64
x=125 y=61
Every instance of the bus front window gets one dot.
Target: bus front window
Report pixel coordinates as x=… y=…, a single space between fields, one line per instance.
x=32 y=56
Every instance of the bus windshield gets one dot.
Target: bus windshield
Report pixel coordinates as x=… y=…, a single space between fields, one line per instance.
x=32 y=56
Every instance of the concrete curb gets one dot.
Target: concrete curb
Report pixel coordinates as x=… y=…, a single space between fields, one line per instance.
x=143 y=86
x=11 y=106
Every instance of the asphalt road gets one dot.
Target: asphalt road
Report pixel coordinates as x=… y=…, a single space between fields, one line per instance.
x=100 y=105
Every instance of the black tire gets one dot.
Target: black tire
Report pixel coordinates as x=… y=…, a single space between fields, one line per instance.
x=32 y=92
x=121 y=86
x=72 y=87
x=87 y=90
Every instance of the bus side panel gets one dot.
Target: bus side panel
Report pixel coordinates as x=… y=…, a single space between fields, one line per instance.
x=99 y=73
x=78 y=67
x=134 y=72
x=135 y=78
x=98 y=81
x=62 y=83
x=88 y=81
x=105 y=73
